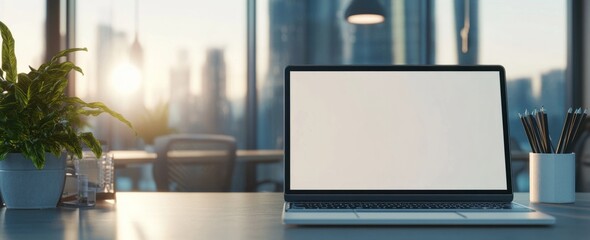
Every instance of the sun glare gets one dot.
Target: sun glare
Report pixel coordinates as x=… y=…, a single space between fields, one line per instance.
x=126 y=78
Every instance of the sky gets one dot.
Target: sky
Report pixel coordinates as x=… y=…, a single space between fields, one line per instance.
x=528 y=37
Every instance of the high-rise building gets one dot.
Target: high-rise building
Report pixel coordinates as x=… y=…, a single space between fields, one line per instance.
x=96 y=90
x=418 y=31
x=180 y=95
x=323 y=32
x=111 y=50
x=114 y=57
x=287 y=45
x=553 y=99
x=315 y=32
x=551 y=82
x=215 y=114
x=520 y=94
x=300 y=32
x=520 y=97
x=136 y=58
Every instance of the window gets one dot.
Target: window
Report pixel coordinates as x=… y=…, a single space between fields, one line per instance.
x=315 y=32
x=28 y=30
x=182 y=61
x=185 y=61
x=530 y=44
x=169 y=67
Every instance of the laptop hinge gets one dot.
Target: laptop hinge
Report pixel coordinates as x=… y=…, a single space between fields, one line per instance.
x=401 y=197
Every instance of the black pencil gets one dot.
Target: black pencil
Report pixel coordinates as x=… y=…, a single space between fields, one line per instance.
x=542 y=133
x=535 y=130
x=535 y=114
x=574 y=132
x=564 y=130
x=527 y=132
x=546 y=130
x=572 y=126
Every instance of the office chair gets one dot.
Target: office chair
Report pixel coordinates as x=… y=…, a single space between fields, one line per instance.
x=582 y=150
x=194 y=162
x=517 y=167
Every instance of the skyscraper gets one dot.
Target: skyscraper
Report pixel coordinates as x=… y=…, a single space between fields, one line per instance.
x=418 y=31
x=180 y=96
x=520 y=97
x=551 y=84
x=287 y=45
x=300 y=32
x=315 y=32
x=215 y=114
x=112 y=48
x=553 y=99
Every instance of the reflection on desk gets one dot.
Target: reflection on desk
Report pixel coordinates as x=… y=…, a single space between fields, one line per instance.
x=123 y=158
x=252 y=216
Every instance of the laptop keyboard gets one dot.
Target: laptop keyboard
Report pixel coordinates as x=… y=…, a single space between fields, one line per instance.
x=403 y=206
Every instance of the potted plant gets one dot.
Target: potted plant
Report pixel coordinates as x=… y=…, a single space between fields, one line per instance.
x=152 y=124
x=38 y=128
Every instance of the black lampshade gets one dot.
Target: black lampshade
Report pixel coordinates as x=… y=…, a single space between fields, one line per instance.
x=365 y=12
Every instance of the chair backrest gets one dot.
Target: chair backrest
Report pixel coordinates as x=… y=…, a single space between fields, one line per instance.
x=582 y=150
x=194 y=162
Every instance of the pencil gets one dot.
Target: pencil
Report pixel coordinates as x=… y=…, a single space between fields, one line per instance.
x=546 y=130
x=527 y=132
x=574 y=132
x=535 y=130
x=543 y=132
x=564 y=130
x=573 y=121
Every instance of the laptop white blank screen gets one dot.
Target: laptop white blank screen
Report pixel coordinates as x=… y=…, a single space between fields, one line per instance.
x=422 y=130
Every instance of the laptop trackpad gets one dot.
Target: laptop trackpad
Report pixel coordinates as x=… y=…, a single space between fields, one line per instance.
x=404 y=216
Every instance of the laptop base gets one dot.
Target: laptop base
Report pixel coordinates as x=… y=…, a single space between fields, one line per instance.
x=352 y=217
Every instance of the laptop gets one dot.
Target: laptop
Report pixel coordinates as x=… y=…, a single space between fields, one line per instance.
x=399 y=145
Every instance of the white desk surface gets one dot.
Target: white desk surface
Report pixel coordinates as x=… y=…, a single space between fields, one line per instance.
x=253 y=216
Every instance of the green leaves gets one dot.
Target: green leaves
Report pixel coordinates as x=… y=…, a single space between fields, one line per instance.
x=23 y=90
x=96 y=109
x=36 y=115
x=8 y=56
x=153 y=123
x=35 y=152
x=94 y=145
x=64 y=53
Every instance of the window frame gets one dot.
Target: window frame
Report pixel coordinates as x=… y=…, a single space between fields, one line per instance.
x=576 y=76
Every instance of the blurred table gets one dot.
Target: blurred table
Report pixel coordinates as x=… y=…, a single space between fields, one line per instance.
x=249 y=158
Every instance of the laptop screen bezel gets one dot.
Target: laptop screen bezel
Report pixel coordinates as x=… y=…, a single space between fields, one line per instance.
x=396 y=195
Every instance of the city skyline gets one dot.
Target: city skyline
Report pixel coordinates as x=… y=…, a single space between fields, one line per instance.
x=208 y=112
x=161 y=42
x=494 y=34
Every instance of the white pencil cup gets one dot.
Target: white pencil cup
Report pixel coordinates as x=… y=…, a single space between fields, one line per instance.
x=552 y=177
